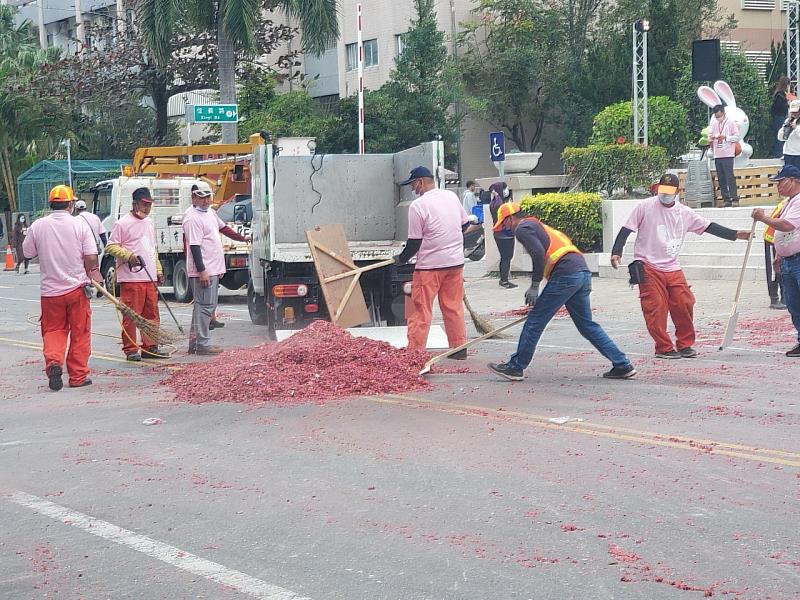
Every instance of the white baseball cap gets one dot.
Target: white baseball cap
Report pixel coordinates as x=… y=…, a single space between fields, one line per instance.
x=201 y=189
x=80 y=205
x=794 y=106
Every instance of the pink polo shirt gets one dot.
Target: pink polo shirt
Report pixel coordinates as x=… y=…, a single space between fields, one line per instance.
x=727 y=128
x=787 y=243
x=202 y=229
x=436 y=218
x=94 y=222
x=60 y=241
x=660 y=231
x=138 y=236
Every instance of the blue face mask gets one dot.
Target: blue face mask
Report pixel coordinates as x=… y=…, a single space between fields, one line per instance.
x=667 y=199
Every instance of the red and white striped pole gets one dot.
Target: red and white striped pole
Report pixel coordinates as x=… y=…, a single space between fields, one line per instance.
x=362 y=147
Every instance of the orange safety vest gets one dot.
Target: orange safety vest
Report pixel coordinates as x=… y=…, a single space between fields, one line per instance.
x=769 y=233
x=559 y=245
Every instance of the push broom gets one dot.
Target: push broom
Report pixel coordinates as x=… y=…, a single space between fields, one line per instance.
x=731 y=327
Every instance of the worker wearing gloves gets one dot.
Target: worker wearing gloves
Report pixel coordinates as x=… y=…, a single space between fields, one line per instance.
x=205 y=263
x=661 y=223
x=67 y=261
x=787 y=243
x=435 y=224
x=133 y=244
x=569 y=283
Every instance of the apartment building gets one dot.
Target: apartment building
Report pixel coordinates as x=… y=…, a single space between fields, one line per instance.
x=760 y=23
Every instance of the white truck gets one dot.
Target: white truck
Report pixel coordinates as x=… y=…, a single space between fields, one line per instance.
x=293 y=194
x=171 y=198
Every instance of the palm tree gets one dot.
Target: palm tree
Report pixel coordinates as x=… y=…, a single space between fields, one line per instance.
x=234 y=23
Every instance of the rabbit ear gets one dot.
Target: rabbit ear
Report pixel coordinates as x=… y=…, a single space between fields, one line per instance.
x=708 y=96
x=725 y=92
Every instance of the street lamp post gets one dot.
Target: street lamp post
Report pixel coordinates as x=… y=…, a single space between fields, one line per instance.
x=639 y=100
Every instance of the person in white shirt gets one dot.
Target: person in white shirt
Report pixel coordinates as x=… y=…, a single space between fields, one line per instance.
x=789 y=134
x=469 y=200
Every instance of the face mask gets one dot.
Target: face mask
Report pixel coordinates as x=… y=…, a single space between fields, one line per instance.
x=22 y=219
x=667 y=199
x=506 y=192
x=202 y=209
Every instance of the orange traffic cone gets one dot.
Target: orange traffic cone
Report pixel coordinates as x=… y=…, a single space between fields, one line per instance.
x=10 y=266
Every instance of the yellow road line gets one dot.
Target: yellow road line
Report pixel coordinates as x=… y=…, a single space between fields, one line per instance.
x=625 y=434
x=97 y=355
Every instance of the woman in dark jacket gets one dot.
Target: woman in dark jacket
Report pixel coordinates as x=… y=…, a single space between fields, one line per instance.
x=19 y=233
x=779 y=111
x=505 y=237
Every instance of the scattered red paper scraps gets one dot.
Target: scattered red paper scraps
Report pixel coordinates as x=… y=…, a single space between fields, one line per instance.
x=322 y=362
x=522 y=311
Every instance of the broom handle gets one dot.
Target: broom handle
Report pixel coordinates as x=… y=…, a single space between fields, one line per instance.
x=744 y=264
x=107 y=294
x=357 y=270
x=160 y=295
x=469 y=343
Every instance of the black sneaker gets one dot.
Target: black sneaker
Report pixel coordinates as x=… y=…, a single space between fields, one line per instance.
x=505 y=370
x=688 y=352
x=133 y=357
x=85 y=382
x=620 y=373
x=670 y=355
x=794 y=352
x=508 y=285
x=54 y=373
x=153 y=352
x=214 y=324
x=460 y=355
x=777 y=305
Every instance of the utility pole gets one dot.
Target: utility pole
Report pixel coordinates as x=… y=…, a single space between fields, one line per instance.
x=79 y=32
x=42 y=29
x=457 y=106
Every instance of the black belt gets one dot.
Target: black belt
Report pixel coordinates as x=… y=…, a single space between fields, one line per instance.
x=792 y=257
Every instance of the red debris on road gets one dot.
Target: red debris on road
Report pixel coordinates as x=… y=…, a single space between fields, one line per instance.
x=321 y=362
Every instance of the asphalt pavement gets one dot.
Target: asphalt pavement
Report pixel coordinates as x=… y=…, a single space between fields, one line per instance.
x=681 y=483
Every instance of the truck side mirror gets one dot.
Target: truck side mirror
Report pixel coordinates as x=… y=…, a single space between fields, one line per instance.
x=240 y=214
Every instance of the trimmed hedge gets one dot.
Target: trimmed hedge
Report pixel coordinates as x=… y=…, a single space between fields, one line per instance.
x=614 y=166
x=576 y=214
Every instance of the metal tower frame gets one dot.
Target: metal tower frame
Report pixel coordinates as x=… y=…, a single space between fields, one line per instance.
x=640 y=113
x=793 y=42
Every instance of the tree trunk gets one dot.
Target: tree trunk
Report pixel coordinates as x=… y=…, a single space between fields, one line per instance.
x=227 y=81
x=160 y=101
x=8 y=178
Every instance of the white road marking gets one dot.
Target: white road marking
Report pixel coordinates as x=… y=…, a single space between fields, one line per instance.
x=14 y=443
x=19 y=299
x=171 y=555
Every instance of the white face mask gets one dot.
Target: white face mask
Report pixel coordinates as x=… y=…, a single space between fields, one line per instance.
x=506 y=192
x=22 y=219
x=667 y=199
x=202 y=209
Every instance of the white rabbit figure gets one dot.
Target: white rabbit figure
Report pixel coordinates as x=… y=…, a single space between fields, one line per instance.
x=722 y=94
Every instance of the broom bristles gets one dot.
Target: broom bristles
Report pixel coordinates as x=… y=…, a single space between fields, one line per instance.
x=149 y=328
x=481 y=325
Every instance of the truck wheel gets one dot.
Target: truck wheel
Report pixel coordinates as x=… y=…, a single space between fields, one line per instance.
x=109 y=273
x=180 y=282
x=256 y=306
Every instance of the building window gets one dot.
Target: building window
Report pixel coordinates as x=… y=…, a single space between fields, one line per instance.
x=400 y=40
x=758 y=4
x=370 y=54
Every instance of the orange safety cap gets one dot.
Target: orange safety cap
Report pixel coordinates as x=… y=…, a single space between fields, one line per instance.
x=62 y=193
x=506 y=210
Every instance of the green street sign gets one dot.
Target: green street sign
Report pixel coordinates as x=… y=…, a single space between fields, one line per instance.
x=215 y=113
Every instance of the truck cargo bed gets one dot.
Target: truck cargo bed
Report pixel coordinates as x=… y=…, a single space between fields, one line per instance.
x=372 y=250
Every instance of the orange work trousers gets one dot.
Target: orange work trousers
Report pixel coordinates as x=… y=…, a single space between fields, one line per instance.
x=664 y=293
x=448 y=285
x=68 y=319
x=142 y=297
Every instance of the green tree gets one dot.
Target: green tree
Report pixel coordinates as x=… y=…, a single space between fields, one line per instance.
x=233 y=24
x=512 y=51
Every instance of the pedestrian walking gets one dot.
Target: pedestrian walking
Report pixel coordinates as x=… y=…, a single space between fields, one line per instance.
x=436 y=220
x=569 y=283
x=789 y=134
x=661 y=224
x=94 y=222
x=778 y=112
x=787 y=243
x=133 y=245
x=723 y=136
x=503 y=237
x=774 y=280
x=67 y=262
x=205 y=262
x=469 y=200
x=17 y=239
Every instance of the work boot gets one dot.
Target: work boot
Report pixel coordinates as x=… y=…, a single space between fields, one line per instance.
x=153 y=352
x=84 y=383
x=460 y=355
x=670 y=354
x=133 y=357
x=626 y=372
x=54 y=373
x=507 y=371
x=688 y=352
x=208 y=350
x=794 y=352
x=508 y=285
x=214 y=324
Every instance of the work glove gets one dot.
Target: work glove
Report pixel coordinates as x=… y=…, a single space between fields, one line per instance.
x=532 y=294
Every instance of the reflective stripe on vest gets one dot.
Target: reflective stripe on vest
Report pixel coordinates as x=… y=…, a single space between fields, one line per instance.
x=769 y=233
x=560 y=244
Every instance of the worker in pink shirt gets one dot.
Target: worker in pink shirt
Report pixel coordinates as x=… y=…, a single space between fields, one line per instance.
x=723 y=136
x=661 y=223
x=67 y=262
x=435 y=225
x=133 y=244
x=205 y=263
